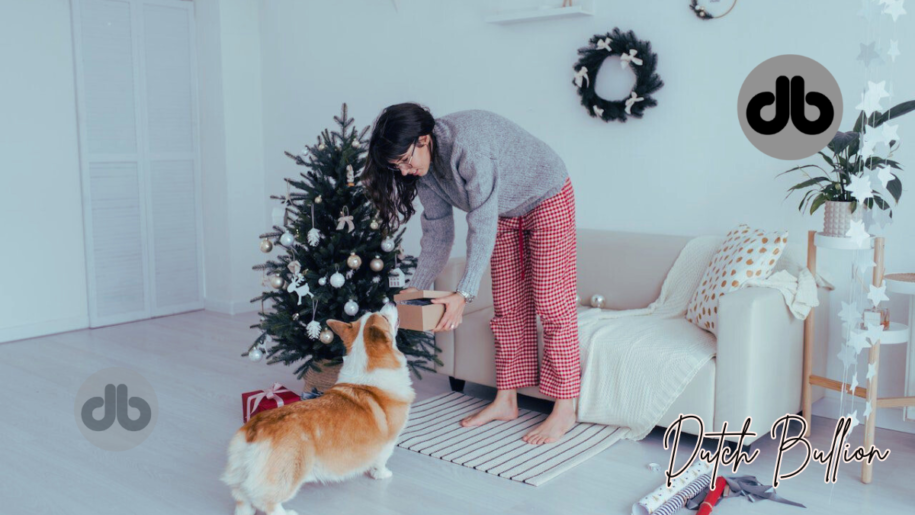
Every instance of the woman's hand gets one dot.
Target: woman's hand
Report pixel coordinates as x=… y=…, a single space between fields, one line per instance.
x=454 y=312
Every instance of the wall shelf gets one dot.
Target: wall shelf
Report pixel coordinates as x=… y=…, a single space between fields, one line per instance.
x=541 y=13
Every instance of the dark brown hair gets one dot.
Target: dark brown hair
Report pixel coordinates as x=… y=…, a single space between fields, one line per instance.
x=396 y=128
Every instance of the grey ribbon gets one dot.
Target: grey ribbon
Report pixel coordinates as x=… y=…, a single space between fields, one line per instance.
x=742 y=485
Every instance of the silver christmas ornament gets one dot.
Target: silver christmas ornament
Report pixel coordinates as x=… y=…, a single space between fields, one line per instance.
x=322 y=281
x=326 y=336
x=337 y=280
x=255 y=354
x=577 y=299
x=351 y=308
x=376 y=264
x=356 y=143
x=266 y=245
x=597 y=300
x=287 y=239
x=354 y=261
x=276 y=281
x=387 y=244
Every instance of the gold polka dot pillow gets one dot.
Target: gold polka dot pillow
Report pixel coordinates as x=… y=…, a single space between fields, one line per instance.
x=746 y=253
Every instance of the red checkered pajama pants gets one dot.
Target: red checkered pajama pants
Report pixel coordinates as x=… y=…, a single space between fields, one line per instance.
x=534 y=273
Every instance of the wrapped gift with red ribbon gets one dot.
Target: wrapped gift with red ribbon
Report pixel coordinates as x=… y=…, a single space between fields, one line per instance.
x=263 y=400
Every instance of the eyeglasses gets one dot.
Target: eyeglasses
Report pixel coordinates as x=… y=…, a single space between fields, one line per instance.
x=401 y=166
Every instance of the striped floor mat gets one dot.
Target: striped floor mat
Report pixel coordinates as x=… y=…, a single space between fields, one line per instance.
x=497 y=448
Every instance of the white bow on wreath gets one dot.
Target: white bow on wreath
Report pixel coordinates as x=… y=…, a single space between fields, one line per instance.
x=633 y=98
x=581 y=74
x=604 y=44
x=630 y=57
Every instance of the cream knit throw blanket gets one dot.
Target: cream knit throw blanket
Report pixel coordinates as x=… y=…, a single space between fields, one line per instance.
x=636 y=362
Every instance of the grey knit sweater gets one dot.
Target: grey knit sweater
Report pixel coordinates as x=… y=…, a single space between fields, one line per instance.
x=492 y=167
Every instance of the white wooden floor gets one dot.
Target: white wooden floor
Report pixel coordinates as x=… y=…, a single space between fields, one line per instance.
x=192 y=360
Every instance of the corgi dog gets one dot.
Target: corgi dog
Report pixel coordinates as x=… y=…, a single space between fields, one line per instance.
x=350 y=430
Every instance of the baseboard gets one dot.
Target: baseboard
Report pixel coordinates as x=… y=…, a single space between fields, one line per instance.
x=887 y=418
x=23 y=332
x=233 y=307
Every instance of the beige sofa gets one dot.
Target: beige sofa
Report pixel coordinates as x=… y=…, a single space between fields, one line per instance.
x=758 y=367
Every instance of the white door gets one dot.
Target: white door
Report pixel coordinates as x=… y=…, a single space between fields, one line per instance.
x=137 y=111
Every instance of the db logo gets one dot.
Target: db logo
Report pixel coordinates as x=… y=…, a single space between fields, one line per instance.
x=790 y=107
x=120 y=412
x=126 y=398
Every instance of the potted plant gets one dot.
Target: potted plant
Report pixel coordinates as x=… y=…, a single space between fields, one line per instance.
x=831 y=187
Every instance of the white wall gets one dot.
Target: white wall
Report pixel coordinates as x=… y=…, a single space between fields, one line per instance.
x=42 y=263
x=685 y=168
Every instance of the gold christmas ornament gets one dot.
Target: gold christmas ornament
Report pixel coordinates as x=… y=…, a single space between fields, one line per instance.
x=266 y=245
x=377 y=264
x=374 y=225
x=276 y=281
x=327 y=336
x=354 y=261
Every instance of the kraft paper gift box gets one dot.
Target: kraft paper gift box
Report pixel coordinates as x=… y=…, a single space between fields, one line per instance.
x=416 y=311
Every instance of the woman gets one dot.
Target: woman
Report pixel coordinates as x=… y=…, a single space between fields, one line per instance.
x=509 y=182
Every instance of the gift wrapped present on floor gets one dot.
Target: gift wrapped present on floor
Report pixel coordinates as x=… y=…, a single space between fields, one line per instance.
x=263 y=400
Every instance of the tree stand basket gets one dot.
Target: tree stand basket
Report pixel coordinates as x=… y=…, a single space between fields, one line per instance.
x=323 y=380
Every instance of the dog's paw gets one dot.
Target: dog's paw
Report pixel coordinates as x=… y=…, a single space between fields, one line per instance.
x=382 y=473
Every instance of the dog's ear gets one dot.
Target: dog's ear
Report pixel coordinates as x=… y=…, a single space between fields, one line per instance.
x=346 y=331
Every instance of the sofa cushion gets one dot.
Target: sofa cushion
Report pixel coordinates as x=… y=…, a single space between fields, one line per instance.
x=746 y=253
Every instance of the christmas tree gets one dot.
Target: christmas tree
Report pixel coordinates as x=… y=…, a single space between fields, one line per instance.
x=335 y=261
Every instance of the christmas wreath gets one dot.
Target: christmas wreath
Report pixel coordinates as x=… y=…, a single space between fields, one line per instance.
x=633 y=53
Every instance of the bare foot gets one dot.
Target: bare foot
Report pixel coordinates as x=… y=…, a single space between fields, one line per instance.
x=504 y=407
x=556 y=425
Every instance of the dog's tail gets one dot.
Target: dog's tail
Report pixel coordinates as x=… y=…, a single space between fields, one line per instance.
x=236 y=469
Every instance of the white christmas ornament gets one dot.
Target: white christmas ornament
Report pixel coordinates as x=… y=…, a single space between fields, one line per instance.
x=337 y=280
x=387 y=244
x=322 y=281
x=356 y=143
x=287 y=239
x=351 y=308
x=314 y=236
x=313 y=329
x=255 y=354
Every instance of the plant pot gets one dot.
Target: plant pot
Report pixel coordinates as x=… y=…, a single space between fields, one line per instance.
x=838 y=217
x=323 y=380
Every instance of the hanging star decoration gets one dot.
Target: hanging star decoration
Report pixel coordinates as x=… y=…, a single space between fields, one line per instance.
x=850 y=313
x=857 y=340
x=869 y=104
x=871 y=372
x=853 y=385
x=880 y=219
x=869 y=54
x=867 y=10
x=893 y=52
x=857 y=233
x=847 y=356
x=874 y=333
x=889 y=133
x=860 y=188
x=863 y=263
x=877 y=295
x=869 y=144
x=867 y=409
x=854 y=420
x=895 y=9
